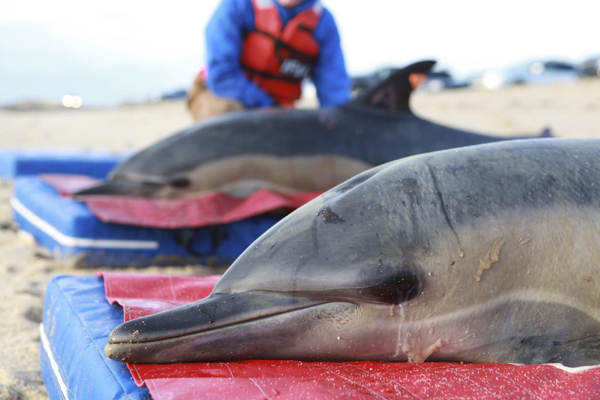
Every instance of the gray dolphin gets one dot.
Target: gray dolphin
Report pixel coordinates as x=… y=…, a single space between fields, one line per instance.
x=305 y=150
x=488 y=253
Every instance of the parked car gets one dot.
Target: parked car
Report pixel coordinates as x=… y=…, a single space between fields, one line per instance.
x=438 y=81
x=526 y=73
x=591 y=67
x=174 y=95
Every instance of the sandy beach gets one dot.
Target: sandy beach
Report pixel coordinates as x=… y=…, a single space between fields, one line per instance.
x=569 y=110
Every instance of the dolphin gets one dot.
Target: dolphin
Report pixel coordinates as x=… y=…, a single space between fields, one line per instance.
x=483 y=254
x=287 y=150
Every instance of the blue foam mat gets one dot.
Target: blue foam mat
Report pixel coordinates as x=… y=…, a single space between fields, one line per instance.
x=69 y=229
x=74 y=331
x=19 y=162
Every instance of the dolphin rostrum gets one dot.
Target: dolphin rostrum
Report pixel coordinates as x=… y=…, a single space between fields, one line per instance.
x=487 y=253
x=304 y=150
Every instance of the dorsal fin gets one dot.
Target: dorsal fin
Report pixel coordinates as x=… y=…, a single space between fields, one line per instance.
x=393 y=93
x=546 y=133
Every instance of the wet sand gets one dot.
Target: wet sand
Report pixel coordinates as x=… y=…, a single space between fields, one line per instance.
x=570 y=110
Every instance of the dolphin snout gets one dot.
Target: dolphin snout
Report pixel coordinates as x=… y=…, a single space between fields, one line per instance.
x=204 y=330
x=121 y=188
x=215 y=311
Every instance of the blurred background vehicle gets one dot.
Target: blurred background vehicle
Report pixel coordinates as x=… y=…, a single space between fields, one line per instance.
x=438 y=81
x=591 y=67
x=174 y=95
x=532 y=72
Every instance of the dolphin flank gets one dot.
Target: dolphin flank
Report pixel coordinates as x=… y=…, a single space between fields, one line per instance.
x=488 y=253
x=287 y=150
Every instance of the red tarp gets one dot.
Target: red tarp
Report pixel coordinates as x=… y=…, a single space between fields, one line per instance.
x=212 y=208
x=146 y=294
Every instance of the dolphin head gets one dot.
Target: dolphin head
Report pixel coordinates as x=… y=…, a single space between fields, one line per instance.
x=395 y=264
x=314 y=287
x=136 y=185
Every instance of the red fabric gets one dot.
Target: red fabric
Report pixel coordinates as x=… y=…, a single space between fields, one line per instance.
x=212 y=208
x=145 y=294
x=263 y=54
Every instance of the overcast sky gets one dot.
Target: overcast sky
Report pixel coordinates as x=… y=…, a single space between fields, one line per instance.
x=109 y=51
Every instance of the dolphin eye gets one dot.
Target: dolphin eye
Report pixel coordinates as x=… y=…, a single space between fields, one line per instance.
x=396 y=289
x=180 y=182
x=407 y=290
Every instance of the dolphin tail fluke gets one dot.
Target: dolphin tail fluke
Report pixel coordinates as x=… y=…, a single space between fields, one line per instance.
x=393 y=93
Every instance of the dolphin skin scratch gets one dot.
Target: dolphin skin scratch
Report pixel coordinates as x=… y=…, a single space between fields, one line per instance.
x=287 y=150
x=390 y=277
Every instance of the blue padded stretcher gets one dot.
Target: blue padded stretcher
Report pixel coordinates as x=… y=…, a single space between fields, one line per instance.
x=70 y=231
x=75 y=328
x=18 y=162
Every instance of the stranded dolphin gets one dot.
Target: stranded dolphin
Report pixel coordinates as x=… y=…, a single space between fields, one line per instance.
x=487 y=253
x=305 y=150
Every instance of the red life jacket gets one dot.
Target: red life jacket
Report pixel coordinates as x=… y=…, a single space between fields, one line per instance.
x=278 y=59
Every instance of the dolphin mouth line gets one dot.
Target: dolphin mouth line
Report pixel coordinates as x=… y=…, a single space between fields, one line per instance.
x=224 y=326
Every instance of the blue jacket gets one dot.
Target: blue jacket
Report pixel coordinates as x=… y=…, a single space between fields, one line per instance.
x=224 y=40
